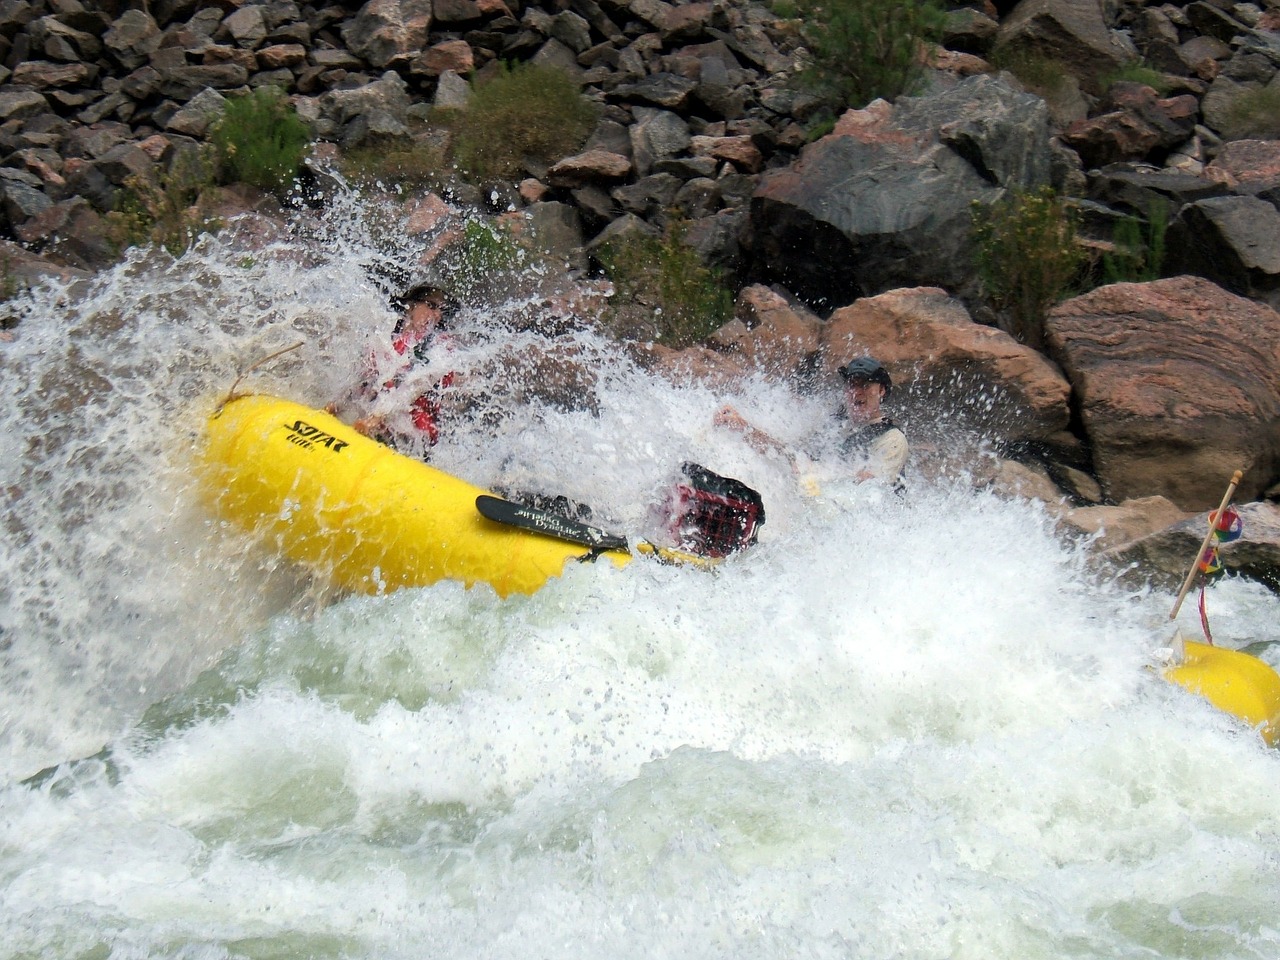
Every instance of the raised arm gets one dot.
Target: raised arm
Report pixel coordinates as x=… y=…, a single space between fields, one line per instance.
x=728 y=416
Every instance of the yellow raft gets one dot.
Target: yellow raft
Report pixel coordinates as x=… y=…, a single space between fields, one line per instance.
x=1234 y=682
x=358 y=513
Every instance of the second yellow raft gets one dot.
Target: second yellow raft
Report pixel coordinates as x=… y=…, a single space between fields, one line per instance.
x=1234 y=682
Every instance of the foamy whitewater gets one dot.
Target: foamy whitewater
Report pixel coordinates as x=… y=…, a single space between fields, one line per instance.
x=924 y=727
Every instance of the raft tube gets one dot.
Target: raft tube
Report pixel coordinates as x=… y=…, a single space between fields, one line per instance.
x=359 y=514
x=1234 y=682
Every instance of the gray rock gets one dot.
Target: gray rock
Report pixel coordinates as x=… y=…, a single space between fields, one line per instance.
x=572 y=30
x=1073 y=32
x=656 y=134
x=555 y=231
x=1166 y=555
x=132 y=39
x=183 y=83
x=246 y=28
x=387 y=32
x=452 y=91
x=886 y=200
x=20 y=201
x=20 y=104
x=1233 y=241
x=666 y=90
x=195 y=118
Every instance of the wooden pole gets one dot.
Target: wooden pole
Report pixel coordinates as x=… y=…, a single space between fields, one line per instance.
x=1204 y=544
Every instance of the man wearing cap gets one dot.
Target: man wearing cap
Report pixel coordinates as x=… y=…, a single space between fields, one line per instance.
x=873 y=439
x=875 y=446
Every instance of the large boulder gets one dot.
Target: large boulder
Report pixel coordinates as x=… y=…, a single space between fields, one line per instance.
x=1136 y=124
x=885 y=200
x=132 y=39
x=1233 y=241
x=769 y=334
x=954 y=370
x=1117 y=527
x=1177 y=384
x=1247 y=166
x=1138 y=188
x=1072 y=32
x=388 y=32
x=375 y=109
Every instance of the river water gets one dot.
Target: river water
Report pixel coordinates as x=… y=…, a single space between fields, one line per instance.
x=924 y=727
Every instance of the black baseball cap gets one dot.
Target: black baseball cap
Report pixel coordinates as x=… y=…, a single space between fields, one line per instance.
x=866 y=370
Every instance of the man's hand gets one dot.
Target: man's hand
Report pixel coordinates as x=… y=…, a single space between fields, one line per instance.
x=729 y=417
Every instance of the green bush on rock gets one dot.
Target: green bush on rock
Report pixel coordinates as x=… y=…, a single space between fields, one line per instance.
x=690 y=300
x=862 y=50
x=170 y=209
x=1027 y=258
x=260 y=140
x=528 y=111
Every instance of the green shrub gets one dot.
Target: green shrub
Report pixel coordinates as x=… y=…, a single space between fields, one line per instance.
x=821 y=124
x=11 y=285
x=690 y=299
x=1139 y=73
x=170 y=210
x=260 y=140
x=1027 y=258
x=526 y=111
x=1039 y=74
x=1253 y=115
x=419 y=165
x=862 y=50
x=1137 y=254
x=486 y=261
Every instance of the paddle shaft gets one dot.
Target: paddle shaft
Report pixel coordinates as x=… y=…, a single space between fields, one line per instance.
x=574 y=531
x=1204 y=544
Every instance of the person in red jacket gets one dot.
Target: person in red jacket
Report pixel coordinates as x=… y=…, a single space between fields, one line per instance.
x=408 y=421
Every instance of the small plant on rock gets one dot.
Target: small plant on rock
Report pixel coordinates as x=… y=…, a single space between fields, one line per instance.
x=1137 y=251
x=170 y=209
x=690 y=300
x=1254 y=114
x=1139 y=73
x=862 y=50
x=526 y=111
x=417 y=165
x=1041 y=75
x=1027 y=258
x=11 y=285
x=260 y=140
x=487 y=260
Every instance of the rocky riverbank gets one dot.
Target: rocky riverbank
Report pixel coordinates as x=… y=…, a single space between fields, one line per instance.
x=1133 y=412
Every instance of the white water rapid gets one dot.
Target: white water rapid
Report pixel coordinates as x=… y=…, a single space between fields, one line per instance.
x=922 y=728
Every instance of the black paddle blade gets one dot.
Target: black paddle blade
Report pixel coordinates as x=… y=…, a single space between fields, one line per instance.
x=548 y=523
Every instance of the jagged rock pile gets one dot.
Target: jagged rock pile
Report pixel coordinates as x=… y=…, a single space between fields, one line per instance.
x=698 y=105
x=92 y=96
